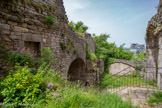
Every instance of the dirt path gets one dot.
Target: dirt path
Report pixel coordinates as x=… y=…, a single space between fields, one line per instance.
x=138 y=96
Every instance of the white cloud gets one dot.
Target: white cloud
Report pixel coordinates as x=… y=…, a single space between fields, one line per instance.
x=75 y=5
x=125 y=25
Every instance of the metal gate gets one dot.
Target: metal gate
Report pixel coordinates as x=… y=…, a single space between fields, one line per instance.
x=140 y=79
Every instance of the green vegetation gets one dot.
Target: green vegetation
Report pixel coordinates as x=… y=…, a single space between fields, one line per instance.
x=23 y=86
x=155 y=98
x=109 y=51
x=49 y=19
x=75 y=51
x=73 y=97
x=18 y=57
x=63 y=46
x=139 y=57
x=91 y=56
x=47 y=56
x=40 y=6
x=62 y=35
x=78 y=27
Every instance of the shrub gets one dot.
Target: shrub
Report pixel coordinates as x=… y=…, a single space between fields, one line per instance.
x=18 y=57
x=91 y=56
x=63 y=46
x=21 y=86
x=155 y=98
x=139 y=68
x=49 y=19
x=75 y=51
x=47 y=56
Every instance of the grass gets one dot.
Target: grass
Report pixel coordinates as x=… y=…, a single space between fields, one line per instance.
x=75 y=95
x=155 y=98
x=134 y=79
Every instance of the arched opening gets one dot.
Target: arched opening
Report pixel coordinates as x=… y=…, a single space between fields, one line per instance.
x=77 y=70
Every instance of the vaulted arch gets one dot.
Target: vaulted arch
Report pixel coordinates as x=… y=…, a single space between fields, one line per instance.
x=77 y=70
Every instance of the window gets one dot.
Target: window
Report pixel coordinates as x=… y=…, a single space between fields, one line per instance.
x=33 y=48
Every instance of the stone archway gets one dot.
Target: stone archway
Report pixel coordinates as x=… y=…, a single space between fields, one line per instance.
x=77 y=70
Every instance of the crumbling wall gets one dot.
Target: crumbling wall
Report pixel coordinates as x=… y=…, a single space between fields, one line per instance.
x=21 y=21
x=21 y=24
x=122 y=67
x=154 y=47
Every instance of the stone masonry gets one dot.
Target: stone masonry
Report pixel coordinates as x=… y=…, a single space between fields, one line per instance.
x=122 y=67
x=154 y=47
x=21 y=25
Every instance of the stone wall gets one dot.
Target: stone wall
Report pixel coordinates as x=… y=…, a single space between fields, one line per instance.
x=124 y=66
x=94 y=70
x=90 y=42
x=22 y=22
x=154 y=46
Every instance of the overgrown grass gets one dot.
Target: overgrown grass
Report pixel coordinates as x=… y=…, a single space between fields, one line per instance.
x=134 y=79
x=72 y=95
x=155 y=98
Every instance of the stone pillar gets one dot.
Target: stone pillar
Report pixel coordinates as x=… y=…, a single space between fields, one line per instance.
x=159 y=80
x=150 y=61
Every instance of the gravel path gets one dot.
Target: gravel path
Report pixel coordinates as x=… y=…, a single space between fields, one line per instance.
x=138 y=96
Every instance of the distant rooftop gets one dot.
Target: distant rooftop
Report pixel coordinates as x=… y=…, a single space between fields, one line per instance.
x=137 y=48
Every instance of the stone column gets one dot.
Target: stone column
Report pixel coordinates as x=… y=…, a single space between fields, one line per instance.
x=159 y=80
x=150 y=61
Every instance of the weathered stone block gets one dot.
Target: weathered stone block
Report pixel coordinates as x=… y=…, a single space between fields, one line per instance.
x=20 y=29
x=5 y=32
x=15 y=37
x=12 y=23
x=24 y=25
x=4 y=26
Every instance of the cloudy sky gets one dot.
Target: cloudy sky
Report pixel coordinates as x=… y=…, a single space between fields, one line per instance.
x=124 y=20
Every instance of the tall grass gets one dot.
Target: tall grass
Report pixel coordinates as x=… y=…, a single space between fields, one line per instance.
x=75 y=95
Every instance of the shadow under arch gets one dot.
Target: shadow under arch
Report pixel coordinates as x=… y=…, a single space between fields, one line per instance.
x=77 y=70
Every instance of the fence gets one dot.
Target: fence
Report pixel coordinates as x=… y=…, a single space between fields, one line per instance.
x=119 y=81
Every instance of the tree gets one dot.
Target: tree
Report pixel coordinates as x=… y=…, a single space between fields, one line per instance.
x=109 y=51
x=78 y=27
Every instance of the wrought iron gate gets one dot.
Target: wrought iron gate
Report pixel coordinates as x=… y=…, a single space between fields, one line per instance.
x=140 y=79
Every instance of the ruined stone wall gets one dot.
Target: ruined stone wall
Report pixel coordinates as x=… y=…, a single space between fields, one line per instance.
x=90 y=42
x=121 y=68
x=154 y=47
x=125 y=66
x=21 y=22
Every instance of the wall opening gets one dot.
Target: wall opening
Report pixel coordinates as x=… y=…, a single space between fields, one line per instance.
x=33 y=48
x=77 y=70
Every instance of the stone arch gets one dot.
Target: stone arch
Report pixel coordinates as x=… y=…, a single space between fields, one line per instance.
x=77 y=70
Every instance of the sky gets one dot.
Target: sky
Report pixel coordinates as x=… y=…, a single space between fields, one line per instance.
x=125 y=20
